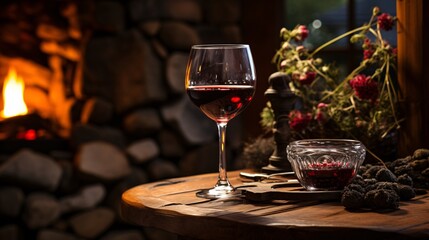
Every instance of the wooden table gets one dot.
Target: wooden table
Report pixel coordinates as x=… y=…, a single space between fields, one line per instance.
x=171 y=205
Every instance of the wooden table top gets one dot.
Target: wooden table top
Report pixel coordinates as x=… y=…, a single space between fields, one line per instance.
x=171 y=205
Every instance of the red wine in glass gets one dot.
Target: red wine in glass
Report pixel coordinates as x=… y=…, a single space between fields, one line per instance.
x=329 y=179
x=221 y=102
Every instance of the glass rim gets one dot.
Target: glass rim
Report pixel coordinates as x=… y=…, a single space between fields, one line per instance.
x=221 y=46
x=326 y=141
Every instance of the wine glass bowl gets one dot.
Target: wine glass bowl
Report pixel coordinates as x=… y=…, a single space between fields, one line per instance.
x=221 y=102
x=220 y=80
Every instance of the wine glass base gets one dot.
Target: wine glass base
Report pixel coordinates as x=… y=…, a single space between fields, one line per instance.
x=218 y=192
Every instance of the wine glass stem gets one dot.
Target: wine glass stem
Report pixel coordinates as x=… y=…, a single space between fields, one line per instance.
x=222 y=179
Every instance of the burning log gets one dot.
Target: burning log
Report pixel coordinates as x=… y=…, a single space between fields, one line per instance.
x=67 y=51
x=33 y=74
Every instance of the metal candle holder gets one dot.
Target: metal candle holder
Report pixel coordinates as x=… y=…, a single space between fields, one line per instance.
x=282 y=102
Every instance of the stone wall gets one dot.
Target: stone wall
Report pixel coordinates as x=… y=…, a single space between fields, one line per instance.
x=109 y=77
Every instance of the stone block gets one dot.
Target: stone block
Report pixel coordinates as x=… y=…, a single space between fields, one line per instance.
x=102 y=160
x=178 y=35
x=11 y=201
x=40 y=210
x=92 y=223
x=162 y=169
x=187 y=119
x=125 y=70
x=32 y=169
x=142 y=122
x=176 y=69
x=143 y=150
x=87 y=197
x=187 y=10
x=85 y=133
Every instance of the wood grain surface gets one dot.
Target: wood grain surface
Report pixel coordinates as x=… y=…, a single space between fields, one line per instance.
x=171 y=205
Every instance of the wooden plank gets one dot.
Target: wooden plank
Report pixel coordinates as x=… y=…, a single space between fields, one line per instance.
x=183 y=213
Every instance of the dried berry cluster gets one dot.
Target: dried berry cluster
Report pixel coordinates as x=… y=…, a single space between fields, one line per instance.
x=415 y=166
x=377 y=187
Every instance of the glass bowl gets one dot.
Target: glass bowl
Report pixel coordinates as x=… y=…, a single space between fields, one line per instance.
x=325 y=164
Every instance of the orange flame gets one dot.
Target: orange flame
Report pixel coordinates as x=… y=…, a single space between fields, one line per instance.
x=13 y=96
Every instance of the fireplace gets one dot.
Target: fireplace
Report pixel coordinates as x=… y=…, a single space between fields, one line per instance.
x=102 y=82
x=21 y=126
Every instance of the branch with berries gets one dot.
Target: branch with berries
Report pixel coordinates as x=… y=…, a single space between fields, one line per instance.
x=362 y=105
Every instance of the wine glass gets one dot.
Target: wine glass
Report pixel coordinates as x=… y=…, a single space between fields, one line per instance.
x=220 y=80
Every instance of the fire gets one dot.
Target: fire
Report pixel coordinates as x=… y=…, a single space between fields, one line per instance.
x=13 y=96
